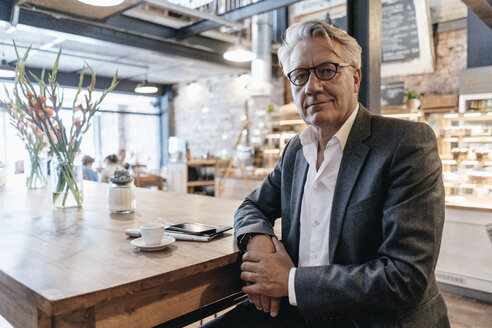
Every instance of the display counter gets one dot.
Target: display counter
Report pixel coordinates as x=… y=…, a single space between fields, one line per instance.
x=465 y=258
x=465 y=148
x=464 y=138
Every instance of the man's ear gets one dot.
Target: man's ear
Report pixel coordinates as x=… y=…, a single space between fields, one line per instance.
x=357 y=78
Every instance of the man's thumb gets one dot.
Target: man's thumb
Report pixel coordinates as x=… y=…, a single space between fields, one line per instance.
x=279 y=247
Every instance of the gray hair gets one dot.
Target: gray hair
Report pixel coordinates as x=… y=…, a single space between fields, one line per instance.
x=314 y=29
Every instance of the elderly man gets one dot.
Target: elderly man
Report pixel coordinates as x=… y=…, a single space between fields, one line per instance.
x=362 y=206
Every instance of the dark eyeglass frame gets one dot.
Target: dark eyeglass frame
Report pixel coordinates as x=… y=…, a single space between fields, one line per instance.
x=314 y=68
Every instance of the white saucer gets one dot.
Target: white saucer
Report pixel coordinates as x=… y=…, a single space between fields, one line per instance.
x=139 y=242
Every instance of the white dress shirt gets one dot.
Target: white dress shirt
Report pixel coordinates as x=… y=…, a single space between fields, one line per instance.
x=318 y=197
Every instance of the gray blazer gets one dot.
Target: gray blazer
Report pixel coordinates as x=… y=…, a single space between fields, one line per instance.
x=385 y=230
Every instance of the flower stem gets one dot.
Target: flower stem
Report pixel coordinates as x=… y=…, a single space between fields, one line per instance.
x=67 y=183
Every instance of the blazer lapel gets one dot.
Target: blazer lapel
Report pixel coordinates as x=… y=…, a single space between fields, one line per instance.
x=299 y=179
x=354 y=155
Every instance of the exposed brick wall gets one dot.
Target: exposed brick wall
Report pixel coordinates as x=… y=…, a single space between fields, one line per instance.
x=209 y=113
x=450 y=50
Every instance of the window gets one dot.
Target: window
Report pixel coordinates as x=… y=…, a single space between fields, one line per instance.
x=123 y=121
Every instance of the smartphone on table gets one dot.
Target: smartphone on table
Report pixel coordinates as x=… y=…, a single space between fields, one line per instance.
x=193 y=228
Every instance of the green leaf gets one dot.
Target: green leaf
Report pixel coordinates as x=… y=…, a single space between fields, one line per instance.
x=55 y=68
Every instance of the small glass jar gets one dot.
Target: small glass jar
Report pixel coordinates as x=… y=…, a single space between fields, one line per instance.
x=121 y=197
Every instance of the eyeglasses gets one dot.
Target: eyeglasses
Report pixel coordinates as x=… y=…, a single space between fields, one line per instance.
x=324 y=72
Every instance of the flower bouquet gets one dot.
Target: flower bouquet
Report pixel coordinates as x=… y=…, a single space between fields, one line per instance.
x=41 y=106
x=33 y=138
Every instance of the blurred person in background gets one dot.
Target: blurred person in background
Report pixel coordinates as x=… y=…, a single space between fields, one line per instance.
x=89 y=173
x=121 y=159
x=112 y=165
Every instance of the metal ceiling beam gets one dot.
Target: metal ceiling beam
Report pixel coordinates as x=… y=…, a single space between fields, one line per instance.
x=163 y=32
x=481 y=8
x=68 y=79
x=140 y=27
x=234 y=15
x=195 y=13
x=111 y=34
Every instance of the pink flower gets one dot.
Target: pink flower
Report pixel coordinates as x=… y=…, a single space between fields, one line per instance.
x=50 y=111
x=37 y=107
x=21 y=127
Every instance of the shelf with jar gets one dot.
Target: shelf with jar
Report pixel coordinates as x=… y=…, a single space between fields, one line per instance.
x=283 y=125
x=194 y=176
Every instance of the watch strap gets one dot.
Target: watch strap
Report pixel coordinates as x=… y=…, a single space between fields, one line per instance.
x=243 y=240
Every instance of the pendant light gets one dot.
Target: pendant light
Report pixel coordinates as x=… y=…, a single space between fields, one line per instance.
x=239 y=53
x=102 y=3
x=6 y=71
x=146 y=87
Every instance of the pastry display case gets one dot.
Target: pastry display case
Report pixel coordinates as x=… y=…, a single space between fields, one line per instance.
x=465 y=146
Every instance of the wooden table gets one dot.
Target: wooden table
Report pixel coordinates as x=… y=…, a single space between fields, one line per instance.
x=76 y=267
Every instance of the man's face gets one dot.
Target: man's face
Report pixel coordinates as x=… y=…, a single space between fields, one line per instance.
x=324 y=104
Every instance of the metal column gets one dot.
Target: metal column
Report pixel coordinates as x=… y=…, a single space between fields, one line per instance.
x=364 y=24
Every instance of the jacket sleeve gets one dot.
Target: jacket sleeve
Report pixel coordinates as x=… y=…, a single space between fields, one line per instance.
x=412 y=220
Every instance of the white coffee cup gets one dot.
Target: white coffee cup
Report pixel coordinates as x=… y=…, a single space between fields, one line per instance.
x=152 y=233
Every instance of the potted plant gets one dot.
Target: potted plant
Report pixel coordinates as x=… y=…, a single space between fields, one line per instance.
x=412 y=100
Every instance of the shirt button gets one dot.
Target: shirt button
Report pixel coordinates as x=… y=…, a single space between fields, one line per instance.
x=315 y=256
x=316 y=223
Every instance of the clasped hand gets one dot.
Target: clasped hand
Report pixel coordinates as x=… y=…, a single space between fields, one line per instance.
x=265 y=270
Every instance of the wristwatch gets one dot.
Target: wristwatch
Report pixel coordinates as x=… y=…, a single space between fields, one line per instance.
x=243 y=240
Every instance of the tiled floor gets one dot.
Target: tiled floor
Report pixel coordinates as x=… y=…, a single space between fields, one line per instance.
x=463 y=313
x=468 y=313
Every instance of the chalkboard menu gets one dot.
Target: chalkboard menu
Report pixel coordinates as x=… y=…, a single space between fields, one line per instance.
x=400 y=40
x=392 y=94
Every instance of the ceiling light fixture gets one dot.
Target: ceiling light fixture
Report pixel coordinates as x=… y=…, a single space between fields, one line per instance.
x=238 y=53
x=102 y=3
x=146 y=87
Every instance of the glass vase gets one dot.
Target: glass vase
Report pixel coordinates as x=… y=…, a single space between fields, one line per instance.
x=67 y=183
x=35 y=170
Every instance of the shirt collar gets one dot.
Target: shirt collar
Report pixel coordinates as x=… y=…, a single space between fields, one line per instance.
x=307 y=136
